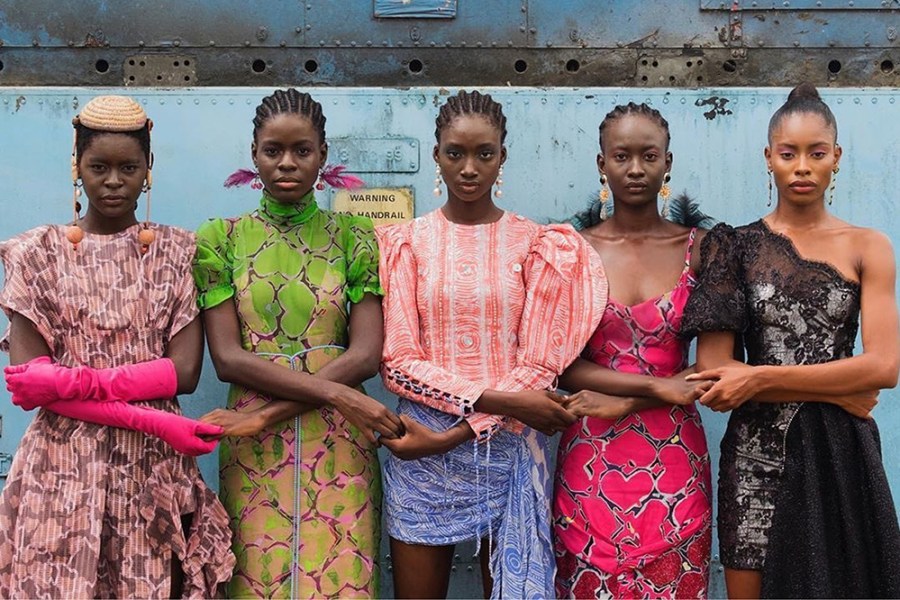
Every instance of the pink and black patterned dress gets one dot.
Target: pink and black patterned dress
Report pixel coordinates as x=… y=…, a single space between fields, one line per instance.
x=632 y=505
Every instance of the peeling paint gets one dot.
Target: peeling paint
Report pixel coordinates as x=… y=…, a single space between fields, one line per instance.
x=717 y=104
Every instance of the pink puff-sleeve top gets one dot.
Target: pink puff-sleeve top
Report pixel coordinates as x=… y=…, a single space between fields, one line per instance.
x=506 y=306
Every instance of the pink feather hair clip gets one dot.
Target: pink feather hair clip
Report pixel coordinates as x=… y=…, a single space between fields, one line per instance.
x=333 y=175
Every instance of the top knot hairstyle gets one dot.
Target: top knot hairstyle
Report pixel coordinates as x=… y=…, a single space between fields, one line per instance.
x=631 y=108
x=290 y=102
x=471 y=103
x=803 y=99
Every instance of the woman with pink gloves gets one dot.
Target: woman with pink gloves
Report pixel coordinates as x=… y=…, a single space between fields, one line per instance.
x=101 y=499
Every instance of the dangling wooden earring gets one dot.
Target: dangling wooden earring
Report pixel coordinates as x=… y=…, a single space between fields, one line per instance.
x=147 y=235
x=74 y=233
x=769 y=203
x=604 y=197
x=664 y=192
x=833 y=181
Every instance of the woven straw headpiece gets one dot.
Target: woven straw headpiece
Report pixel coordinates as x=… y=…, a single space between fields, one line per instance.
x=113 y=113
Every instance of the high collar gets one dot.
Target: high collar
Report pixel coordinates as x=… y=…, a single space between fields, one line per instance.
x=294 y=214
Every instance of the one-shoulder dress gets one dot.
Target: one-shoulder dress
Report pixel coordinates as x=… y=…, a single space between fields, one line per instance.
x=803 y=495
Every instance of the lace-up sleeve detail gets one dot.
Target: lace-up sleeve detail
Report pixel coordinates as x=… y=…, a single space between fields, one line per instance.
x=718 y=302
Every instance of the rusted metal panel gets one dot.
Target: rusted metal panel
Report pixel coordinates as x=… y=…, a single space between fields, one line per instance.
x=492 y=42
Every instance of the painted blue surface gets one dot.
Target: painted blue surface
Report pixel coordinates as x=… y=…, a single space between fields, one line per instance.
x=202 y=135
x=424 y=9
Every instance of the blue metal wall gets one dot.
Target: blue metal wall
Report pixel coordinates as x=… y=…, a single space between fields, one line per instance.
x=202 y=135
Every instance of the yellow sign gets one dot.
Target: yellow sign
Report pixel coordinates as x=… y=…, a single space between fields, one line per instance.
x=382 y=205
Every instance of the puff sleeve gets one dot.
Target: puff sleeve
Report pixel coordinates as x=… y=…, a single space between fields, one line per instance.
x=404 y=367
x=30 y=285
x=362 y=259
x=718 y=301
x=566 y=293
x=213 y=263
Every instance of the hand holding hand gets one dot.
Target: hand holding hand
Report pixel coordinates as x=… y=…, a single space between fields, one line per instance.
x=419 y=441
x=594 y=404
x=541 y=410
x=733 y=386
x=680 y=390
x=234 y=423
x=368 y=415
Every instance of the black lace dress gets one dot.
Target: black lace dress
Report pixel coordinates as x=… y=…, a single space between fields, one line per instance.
x=803 y=496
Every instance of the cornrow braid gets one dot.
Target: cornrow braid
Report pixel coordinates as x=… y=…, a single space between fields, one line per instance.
x=635 y=109
x=292 y=102
x=804 y=98
x=471 y=103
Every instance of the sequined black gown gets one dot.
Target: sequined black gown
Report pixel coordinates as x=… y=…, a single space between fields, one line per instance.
x=803 y=495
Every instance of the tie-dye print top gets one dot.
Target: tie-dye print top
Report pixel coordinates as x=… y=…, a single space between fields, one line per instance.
x=504 y=306
x=630 y=489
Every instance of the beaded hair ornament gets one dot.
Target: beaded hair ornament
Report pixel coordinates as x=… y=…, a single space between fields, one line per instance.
x=112 y=114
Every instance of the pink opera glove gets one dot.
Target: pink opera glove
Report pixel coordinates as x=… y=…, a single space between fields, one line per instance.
x=40 y=382
x=182 y=433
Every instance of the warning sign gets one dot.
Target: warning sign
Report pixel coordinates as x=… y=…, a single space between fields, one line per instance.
x=382 y=205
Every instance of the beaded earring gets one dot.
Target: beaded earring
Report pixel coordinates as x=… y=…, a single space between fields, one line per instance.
x=834 y=172
x=769 y=203
x=112 y=114
x=320 y=184
x=74 y=233
x=604 y=197
x=498 y=193
x=437 y=180
x=147 y=235
x=664 y=192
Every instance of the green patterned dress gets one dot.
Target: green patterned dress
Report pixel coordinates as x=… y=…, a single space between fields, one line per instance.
x=304 y=496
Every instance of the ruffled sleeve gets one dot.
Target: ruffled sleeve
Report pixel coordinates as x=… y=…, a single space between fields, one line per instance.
x=362 y=259
x=404 y=368
x=566 y=292
x=30 y=286
x=213 y=263
x=181 y=253
x=717 y=303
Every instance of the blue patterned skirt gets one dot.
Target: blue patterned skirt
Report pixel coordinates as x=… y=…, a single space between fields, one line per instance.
x=498 y=489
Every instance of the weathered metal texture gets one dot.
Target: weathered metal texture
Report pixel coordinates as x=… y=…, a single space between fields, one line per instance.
x=201 y=135
x=492 y=42
x=421 y=9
